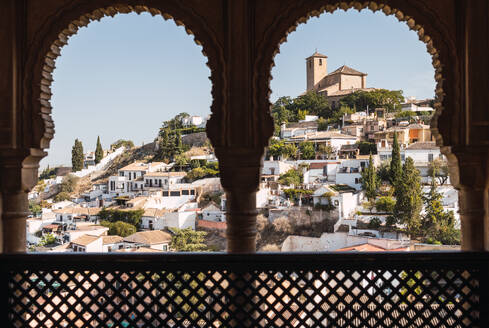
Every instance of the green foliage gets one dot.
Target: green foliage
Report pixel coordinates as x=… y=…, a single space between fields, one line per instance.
x=438 y=225
x=211 y=169
x=132 y=217
x=77 y=156
x=194 y=163
x=69 y=183
x=374 y=223
x=383 y=172
x=438 y=169
x=181 y=161
x=276 y=148
x=408 y=198
x=293 y=193
x=405 y=114
x=390 y=221
x=99 y=152
x=307 y=151
x=188 y=240
x=369 y=180
x=47 y=173
x=47 y=240
x=286 y=109
x=325 y=151
x=61 y=197
x=395 y=171
x=323 y=124
x=385 y=204
x=291 y=177
x=290 y=151
x=367 y=148
x=337 y=116
x=390 y=100
x=35 y=208
x=128 y=144
x=119 y=228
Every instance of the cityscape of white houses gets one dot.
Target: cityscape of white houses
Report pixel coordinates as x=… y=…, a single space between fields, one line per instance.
x=330 y=186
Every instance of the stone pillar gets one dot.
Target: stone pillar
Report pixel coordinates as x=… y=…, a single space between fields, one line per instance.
x=240 y=176
x=470 y=178
x=18 y=173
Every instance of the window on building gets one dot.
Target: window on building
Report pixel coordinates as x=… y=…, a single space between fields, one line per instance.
x=174 y=193
x=192 y=192
x=165 y=247
x=320 y=61
x=165 y=193
x=430 y=157
x=185 y=192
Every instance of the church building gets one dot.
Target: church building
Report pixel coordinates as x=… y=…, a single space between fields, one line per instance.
x=335 y=85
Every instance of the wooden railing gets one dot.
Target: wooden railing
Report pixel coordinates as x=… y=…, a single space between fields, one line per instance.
x=255 y=290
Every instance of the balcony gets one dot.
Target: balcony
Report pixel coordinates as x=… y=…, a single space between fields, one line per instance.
x=232 y=290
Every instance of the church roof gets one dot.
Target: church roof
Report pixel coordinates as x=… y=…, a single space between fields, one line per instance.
x=317 y=54
x=347 y=70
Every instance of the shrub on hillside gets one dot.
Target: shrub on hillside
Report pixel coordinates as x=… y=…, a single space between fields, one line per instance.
x=119 y=228
x=131 y=216
x=61 y=197
x=385 y=204
x=374 y=223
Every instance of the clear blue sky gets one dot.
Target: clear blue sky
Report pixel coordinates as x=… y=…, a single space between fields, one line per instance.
x=121 y=77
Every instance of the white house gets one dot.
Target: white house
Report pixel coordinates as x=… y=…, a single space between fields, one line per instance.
x=319 y=171
x=72 y=215
x=275 y=168
x=162 y=179
x=112 y=243
x=84 y=229
x=335 y=139
x=193 y=120
x=349 y=172
x=87 y=244
x=213 y=213
x=155 y=239
x=344 y=199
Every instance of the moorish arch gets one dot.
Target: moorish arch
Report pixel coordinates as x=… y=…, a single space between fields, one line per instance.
x=448 y=124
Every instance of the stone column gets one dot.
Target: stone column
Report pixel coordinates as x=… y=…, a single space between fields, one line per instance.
x=240 y=176
x=470 y=178
x=18 y=173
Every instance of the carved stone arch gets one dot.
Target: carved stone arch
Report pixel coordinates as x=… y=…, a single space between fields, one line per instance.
x=447 y=124
x=57 y=29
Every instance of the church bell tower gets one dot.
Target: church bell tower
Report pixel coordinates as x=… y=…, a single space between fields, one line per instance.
x=316 y=68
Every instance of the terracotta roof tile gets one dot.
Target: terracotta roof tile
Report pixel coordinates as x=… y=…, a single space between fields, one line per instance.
x=85 y=240
x=149 y=237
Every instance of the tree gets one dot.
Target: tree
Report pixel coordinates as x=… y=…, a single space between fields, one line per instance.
x=326 y=151
x=369 y=180
x=188 y=240
x=395 y=171
x=307 y=150
x=181 y=160
x=438 y=169
x=61 y=197
x=128 y=144
x=391 y=100
x=99 y=152
x=366 y=148
x=132 y=217
x=385 y=204
x=119 y=228
x=276 y=148
x=69 y=182
x=291 y=177
x=290 y=151
x=408 y=198
x=47 y=240
x=77 y=156
x=383 y=172
x=35 y=208
x=438 y=224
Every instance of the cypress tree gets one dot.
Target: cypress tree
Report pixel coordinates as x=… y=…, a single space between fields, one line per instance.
x=408 y=198
x=77 y=156
x=99 y=152
x=395 y=171
x=369 y=180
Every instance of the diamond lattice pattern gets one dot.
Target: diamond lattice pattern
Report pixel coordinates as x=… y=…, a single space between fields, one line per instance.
x=257 y=298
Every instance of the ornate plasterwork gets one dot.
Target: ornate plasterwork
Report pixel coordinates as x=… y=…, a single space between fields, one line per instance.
x=56 y=31
x=299 y=12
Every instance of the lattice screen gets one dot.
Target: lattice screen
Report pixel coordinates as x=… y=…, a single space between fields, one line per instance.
x=258 y=298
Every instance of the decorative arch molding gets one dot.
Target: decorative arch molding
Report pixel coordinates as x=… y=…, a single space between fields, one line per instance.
x=57 y=29
x=447 y=122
